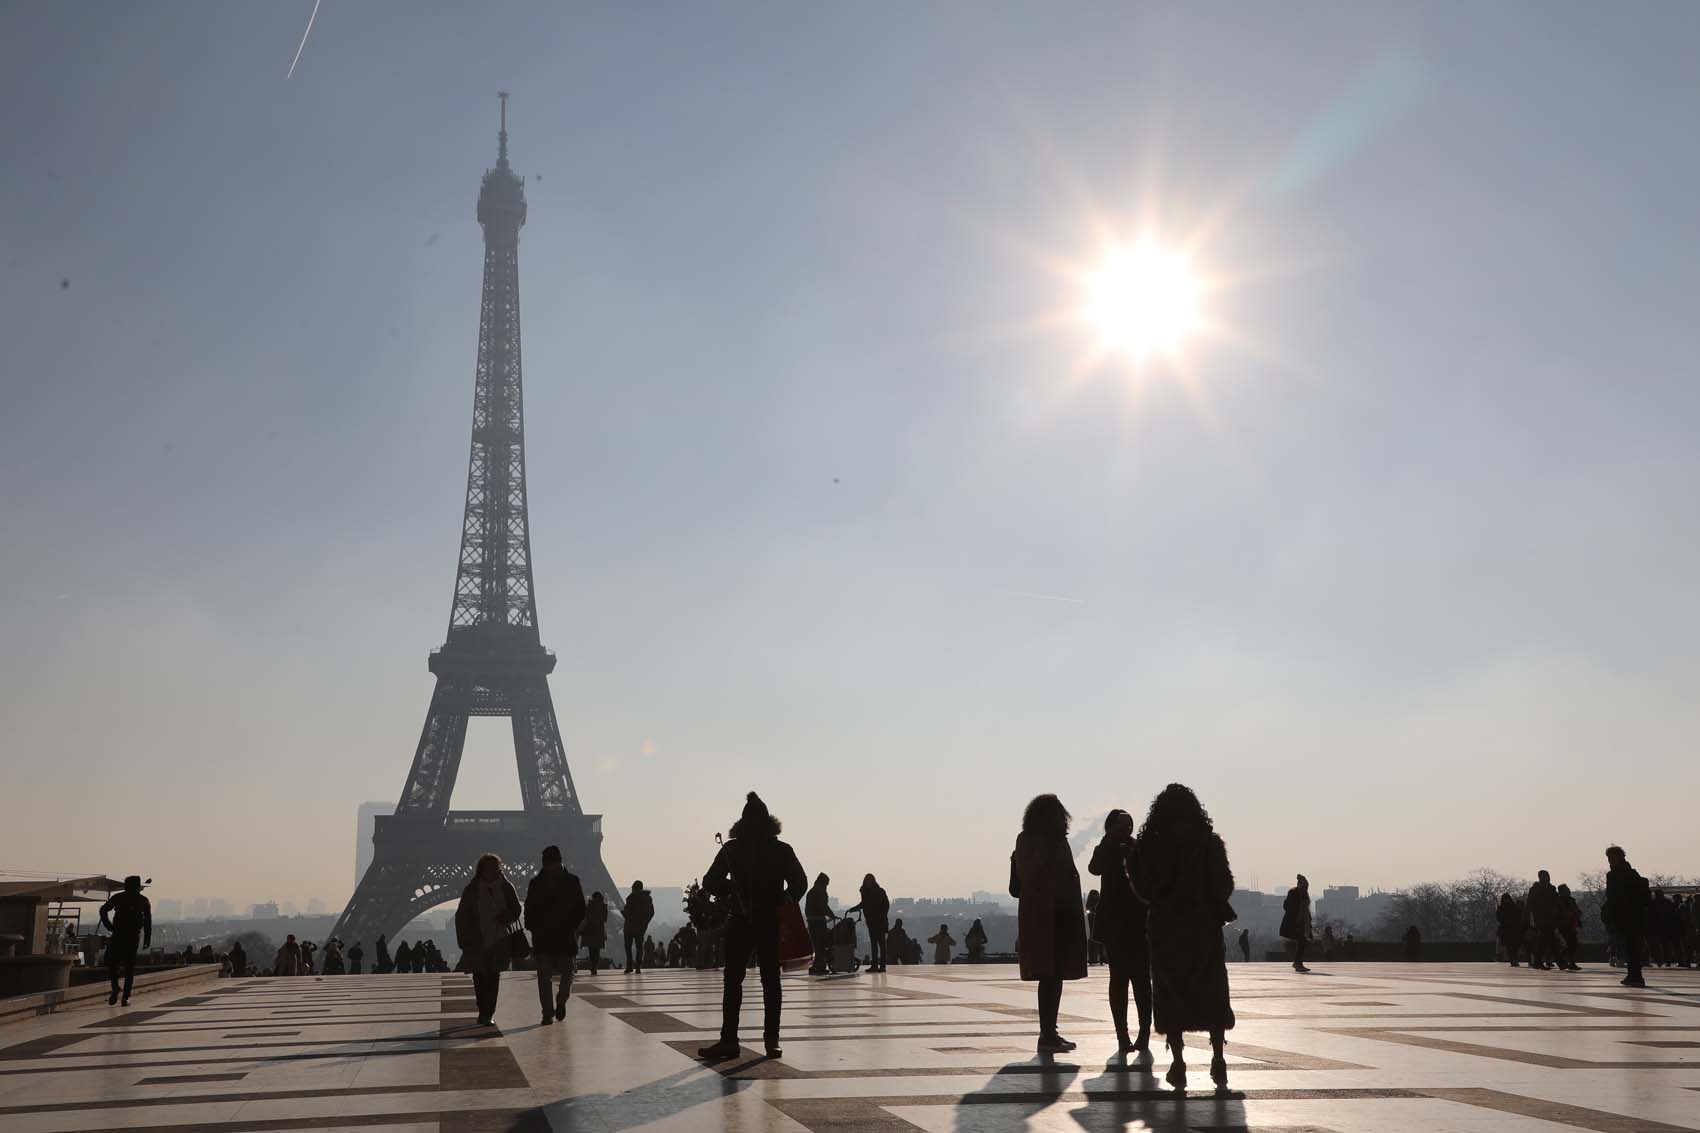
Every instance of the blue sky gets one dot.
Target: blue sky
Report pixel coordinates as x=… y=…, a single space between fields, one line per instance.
x=1401 y=577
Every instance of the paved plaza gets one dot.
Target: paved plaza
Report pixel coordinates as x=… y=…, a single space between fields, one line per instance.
x=1351 y=1049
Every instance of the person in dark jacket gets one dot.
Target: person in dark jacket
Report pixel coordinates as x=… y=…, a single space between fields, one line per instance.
x=817 y=908
x=489 y=908
x=238 y=959
x=875 y=909
x=897 y=943
x=404 y=958
x=128 y=917
x=1509 y=918
x=753 y=874
x=1413 y=944
x=1295 y=921
x=595 y=930
x=554 y=907
x=1051 y=919
x=1542 y=906
x=975 y=942
x=383 y=965
x=1625 y=911
x=639 y=911
x=1569 y=926
x=1120 y=925
x=1183 y=874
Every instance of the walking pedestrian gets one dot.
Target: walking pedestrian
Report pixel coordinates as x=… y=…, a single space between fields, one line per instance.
x=817 y=908
x=1542 y=904
x=554 y=907
x=1183 y=873
x=753 y=875
x=1510 y=920
x=595 y=931
x=488 y=908
x=355 y=956
x=1625 y=911
x=1120 y=925
x=639 y=911
x=1052 y=941
x=1569 y=927
x=1295 y=921
x=942 y=943
x=127 y=916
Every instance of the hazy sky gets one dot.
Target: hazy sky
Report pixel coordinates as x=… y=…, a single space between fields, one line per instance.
x=1402 y=578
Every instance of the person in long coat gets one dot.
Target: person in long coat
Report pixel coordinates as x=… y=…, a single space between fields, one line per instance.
x=942 y=943
x=595 y=931
x=875 y=909
x=489 y=908
x=1120 y=928
x=1510 y=920
x=1184 y=877
x=1296 y=922
x=1051 y=918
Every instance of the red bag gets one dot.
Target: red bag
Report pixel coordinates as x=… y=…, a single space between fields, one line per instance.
x=796 y=949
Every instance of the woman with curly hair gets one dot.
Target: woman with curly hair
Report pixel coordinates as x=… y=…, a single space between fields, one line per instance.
x=1184 y=875
x=489 y=908
x=1052 y=922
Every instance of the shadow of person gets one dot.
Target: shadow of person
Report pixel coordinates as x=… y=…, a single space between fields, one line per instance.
x=648 y=1103
x=1021 y=1090
x=1127 y=1091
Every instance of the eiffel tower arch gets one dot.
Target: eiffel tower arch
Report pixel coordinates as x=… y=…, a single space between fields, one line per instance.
x=493 y=662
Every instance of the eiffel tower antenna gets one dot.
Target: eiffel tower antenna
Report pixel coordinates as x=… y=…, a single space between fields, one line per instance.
x=493 y=662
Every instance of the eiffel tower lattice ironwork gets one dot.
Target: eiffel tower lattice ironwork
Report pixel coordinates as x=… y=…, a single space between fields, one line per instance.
x=493 y=663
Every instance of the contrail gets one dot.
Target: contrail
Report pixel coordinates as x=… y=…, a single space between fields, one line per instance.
x=304 y=36
x=1051 y=598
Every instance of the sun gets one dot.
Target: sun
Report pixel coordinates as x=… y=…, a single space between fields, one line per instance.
x=1143 y=300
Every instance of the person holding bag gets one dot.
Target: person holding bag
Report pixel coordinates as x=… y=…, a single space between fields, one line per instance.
x=1052 y=920
x=754 y=875
x=489 y=908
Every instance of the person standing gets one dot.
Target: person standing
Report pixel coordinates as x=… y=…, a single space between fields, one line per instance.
x=554 y=907
x=1245 y=945
x=1051 y=919
x=1094 y=949
x=288 y=959
x=897 y=943
x=355 y=956
x=942 y=943
x=1569 y=926
x=817 y=908
x=875 y=909
x=127 y=916
x=1120 y=925
x=1413 y=944
x=1509 y=917
x=403 y=958
x=1625 y=911
x=488 y=907
x=1542 y=904
x=975 y=942
x=1295 y=921
x=1183 y=873
x=753 y=875
x=639 y=911
x=595 y=931
x=383 y=965
x=238 y=959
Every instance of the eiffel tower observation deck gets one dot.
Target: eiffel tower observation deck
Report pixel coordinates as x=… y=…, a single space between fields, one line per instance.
x=493 y=662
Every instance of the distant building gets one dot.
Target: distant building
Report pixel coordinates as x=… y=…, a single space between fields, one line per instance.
x=315 y=906
x=197 y=909
x=218 y=907
x=266 y=910
x=168 y=909
x=365 y=824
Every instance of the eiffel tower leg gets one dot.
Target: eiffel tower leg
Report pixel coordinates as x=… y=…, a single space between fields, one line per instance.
x=544 y=781
x=436 y=762
x=394 y=892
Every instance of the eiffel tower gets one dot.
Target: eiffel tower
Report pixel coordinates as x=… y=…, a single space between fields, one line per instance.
x=493 y=663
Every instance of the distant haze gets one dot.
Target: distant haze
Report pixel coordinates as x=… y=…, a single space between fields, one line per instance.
x=1402 y=578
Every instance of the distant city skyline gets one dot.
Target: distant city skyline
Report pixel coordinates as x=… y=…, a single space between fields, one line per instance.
x=835 y=494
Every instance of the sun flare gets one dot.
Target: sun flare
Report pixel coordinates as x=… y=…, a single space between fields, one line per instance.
x=1143 y=300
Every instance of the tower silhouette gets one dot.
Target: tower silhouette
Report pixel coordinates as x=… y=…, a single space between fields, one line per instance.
x=493 y=662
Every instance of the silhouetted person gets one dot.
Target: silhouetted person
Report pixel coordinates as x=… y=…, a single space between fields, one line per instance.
x=384 y=964
x=238 y=959
x=753 y=874
x=489 y=909
x=1120 y=925
x=1664 y=929
x=817 y=908
x=1295 y=921
x=554 y=908
x=1183 y=873
x=1245 y=945
x=1052 y=932
x=875 y=909
x=288 y=960
x=1569 y=926
x=333 y=964
x=1413 y=939
x=307 y=950
x=595 y=930
x=1625 y=911
x=128 y=917
x=975 y=942
x=1094 y=951
x=1542 y=906
x=942 y=943
x=640 y=910
x=897 y=942
x=1509 y=917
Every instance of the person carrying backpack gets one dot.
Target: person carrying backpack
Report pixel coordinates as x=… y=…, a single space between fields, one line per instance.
x=1625 y=911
